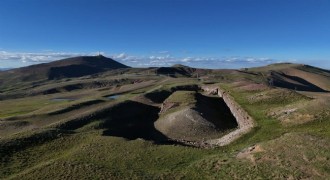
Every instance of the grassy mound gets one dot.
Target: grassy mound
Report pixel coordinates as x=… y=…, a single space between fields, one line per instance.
x=160 y=94
x=276 y=96
x=190 y=116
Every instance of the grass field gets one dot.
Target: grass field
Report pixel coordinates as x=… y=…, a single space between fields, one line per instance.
x=72 y=139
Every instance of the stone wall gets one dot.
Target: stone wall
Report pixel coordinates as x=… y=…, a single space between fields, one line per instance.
x=242 y=117
x=244 y=120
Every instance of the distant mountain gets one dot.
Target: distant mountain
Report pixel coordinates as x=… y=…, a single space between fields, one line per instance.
x=65 y=68
x=176 y=70
x=81 y=66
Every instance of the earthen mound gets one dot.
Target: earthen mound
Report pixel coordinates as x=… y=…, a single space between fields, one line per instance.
x=190 y=116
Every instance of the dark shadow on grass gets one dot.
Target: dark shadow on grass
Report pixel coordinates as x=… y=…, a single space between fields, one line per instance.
x=215 y=110
x=303 y=85
x=71 y=71
x=76 y=106
x=133 y=120
x=128 y=119
x=11 y=146
x=160 y=96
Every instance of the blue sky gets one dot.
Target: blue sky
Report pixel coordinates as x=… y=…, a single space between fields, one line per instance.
x=198 y=33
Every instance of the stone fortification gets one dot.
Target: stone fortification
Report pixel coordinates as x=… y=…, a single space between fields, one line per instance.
x=244 y=120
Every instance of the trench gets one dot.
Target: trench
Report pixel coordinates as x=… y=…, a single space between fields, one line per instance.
x=245 y=122
x=133 y=120
x=216 y=111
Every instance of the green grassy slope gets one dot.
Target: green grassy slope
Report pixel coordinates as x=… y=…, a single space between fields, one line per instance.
x=291 y=140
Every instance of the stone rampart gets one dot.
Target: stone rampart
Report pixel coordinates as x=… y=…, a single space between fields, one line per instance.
x=244 y=120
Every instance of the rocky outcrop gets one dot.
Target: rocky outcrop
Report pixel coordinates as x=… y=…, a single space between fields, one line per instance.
x=244 y=120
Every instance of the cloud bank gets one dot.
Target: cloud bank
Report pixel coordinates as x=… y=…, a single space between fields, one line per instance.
x=162 y=58
x=41 y=57
x=205 y=62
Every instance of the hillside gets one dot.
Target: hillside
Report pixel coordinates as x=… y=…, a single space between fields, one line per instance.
x=141 y=123
x=176 y=70
x=65 y=68
x=296 y=76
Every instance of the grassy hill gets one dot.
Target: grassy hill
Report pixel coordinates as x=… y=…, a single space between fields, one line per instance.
x=104 y=126
x=296 y=76
x=65 y=68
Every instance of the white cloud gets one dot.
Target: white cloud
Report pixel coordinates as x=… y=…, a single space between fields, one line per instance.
x=139 y=61
x=120 y=56
x=210 y=62
x=40 y=57
x=35 y=57
x=187 y=59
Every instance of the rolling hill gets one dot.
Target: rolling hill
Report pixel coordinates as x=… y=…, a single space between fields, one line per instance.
x=94 y=118
x=296 y=76
x=65 y=68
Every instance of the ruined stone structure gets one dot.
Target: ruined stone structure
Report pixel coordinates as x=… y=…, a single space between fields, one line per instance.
x=244 y=120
